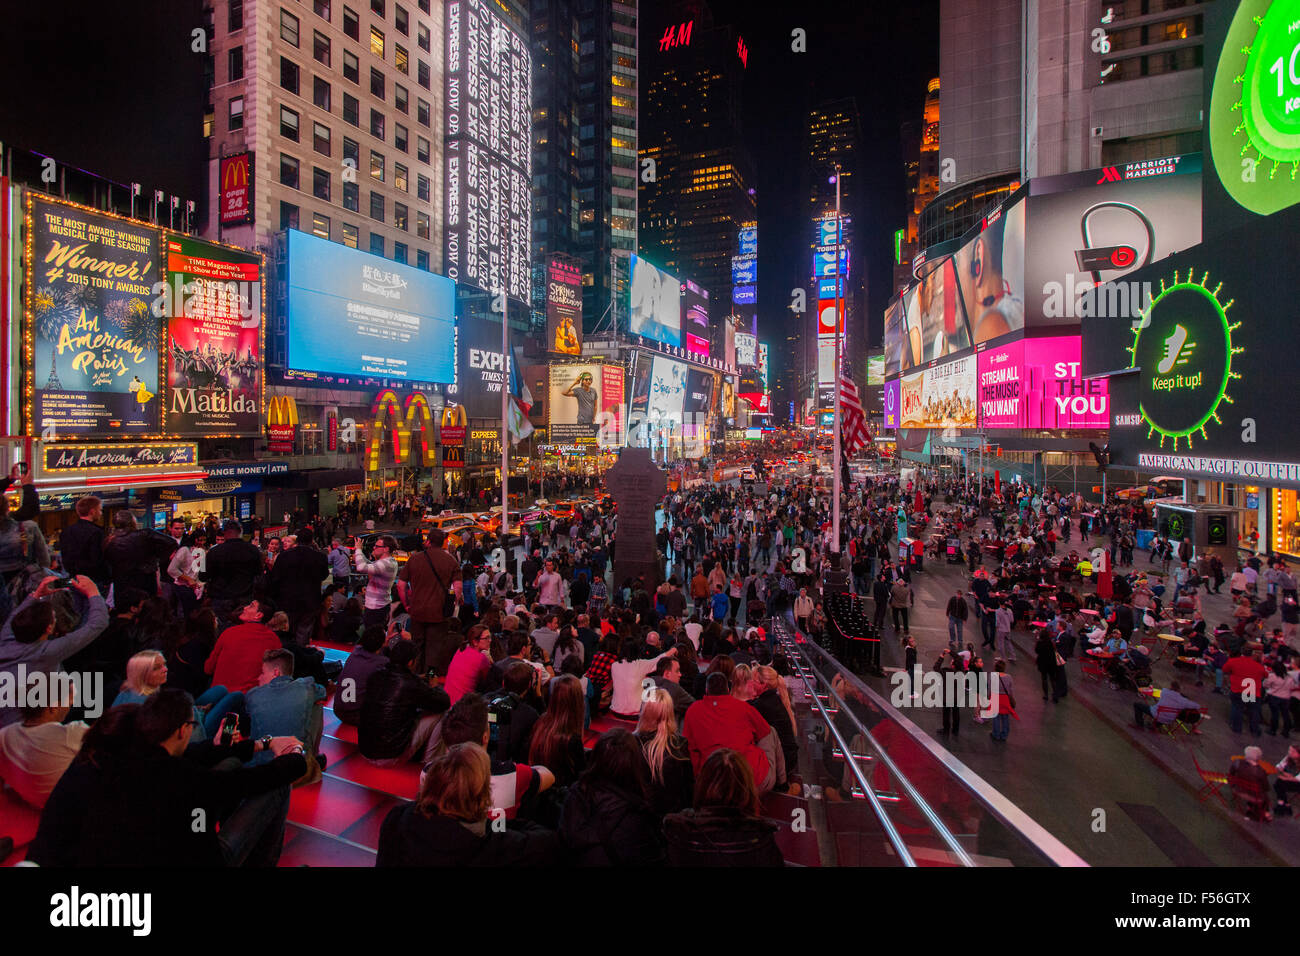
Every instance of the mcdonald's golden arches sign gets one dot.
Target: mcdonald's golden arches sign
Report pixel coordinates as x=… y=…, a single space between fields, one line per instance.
x=236 y=189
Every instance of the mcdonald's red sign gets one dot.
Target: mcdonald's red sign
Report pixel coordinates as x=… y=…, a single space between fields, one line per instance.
x=236 y=189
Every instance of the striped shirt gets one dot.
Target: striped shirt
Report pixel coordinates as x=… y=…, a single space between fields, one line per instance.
x=380 y=576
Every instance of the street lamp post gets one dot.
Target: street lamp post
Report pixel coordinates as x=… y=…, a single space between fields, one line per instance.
x=835 y=453
x=505 y=418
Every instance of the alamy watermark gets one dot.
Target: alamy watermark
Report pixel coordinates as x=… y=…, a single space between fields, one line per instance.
x=945 y=689
x=1081 y=297
x=21 y=688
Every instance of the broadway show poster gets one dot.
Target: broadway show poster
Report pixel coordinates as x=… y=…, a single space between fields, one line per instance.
x=214 y=332
x=94 y=333
x=564 y=307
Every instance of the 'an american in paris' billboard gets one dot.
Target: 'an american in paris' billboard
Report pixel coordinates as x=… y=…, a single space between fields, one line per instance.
x=487 y=151
x=1038 y=383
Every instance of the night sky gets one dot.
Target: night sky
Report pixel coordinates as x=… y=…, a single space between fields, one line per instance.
x=115 y=89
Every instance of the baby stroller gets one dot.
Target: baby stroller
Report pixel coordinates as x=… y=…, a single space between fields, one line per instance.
x=1130 y=671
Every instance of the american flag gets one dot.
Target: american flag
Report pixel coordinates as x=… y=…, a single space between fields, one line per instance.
x=854 y=434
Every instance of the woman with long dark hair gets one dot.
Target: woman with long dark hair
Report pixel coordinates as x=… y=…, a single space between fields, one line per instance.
x=726 y=826
x=557 y=735
x=607 y=819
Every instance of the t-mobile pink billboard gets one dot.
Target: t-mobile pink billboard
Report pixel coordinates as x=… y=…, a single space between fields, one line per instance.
x=1037 y=383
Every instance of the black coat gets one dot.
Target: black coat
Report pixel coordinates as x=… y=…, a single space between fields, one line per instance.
x=81 y=549
x=677 y=788
x=294 y=582
x=721 y=836
x=603 y=825
x=409 y=838
x=395 y=700
x=232 y=570
x=133 y=559
x=769 y=705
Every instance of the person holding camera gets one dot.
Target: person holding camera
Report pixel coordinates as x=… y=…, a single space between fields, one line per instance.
x=400 y=711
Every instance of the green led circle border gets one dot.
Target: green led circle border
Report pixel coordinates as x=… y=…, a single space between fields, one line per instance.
x=1200 y=288
x=1262 y=130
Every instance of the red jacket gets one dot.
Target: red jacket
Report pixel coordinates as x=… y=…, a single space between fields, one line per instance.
x=236 y=660
x=725 y=721
x=1240 y=669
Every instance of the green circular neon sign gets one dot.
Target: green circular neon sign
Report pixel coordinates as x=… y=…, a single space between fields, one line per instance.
x=1271 y=84
x=1183 y=346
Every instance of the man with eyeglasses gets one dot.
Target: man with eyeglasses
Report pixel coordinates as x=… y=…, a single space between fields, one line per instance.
x=380 y=572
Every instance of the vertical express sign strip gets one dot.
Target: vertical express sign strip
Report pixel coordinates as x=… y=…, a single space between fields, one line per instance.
x=214 y=339
x=91 y=335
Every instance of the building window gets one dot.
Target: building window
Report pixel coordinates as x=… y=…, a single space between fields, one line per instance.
x=422 y=187
x=400 y=178
x=400 y=217
x=377 y=8
x=376 y=82
x=399 y=252
x=320 y=138
x=351 y=67
x=320 y=47
x=400 y=98
x=288 y=123
x=376 y=244
x=422 y=259
x=351 y=25
x=352 y=197
x=320 y=183
x=236 y=120
x=424 y=5
x=400 y=136
x=236 y=19
x=376 y=166
x=209 y=121
x=376 y=205
x=422 y=112
x=377 y=124
x=320 y=93
x=422 y=149
x=351 y=109
x=351 y=235
x=377 y=42
x=288 y=215
x=401 y=59
x=322 y=8
x=422 y=74
x=235 y=64
x=288 y=75
x=422 y=225
x=288 y=27
x=320 y=225
x=422 y=37
x=402 y=21
x=288 y=171
x=351 y=152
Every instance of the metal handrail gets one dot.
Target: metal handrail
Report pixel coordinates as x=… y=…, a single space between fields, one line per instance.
x=1008 y=813
x=895 y=838
x=936 y=824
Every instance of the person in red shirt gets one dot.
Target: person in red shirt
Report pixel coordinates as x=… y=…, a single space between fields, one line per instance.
x=236 y=658
x=1246 y=686
x=721 y=720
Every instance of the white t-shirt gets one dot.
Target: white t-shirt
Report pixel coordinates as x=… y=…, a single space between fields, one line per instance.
x=693 y=631
x=627 y=677
x=32 y=759
x=548 y=588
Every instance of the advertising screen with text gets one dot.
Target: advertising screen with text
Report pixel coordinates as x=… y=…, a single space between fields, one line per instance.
x=1038 y=383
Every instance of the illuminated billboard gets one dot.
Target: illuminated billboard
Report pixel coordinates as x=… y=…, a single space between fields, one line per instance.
x=214 y=339
x=940 y=397
x=353 y=313
x=1038 y=383
x=875 y=370
x=655 y=307
x=585 y=404
x=695 y=318
x=487 y=189
x=827 y=233
x=744 y=294
x=748 y=237
x=564 y=307
x=744 y=270
x=91 y=330
x=824 y=263
x=892 y=402
x=746 y=350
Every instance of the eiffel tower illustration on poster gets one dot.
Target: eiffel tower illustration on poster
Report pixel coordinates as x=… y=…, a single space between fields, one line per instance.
x=53 y=381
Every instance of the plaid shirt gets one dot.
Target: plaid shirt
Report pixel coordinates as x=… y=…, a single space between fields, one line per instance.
x=600 y=670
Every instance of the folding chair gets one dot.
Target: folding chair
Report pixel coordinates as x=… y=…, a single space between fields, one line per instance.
x=1248 y=796
x=1213 y=781
x=1092 y=669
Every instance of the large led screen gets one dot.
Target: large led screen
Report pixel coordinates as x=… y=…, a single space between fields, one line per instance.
x=480 y=368
x=1096 y=228
x=92 y=331
x=892 y=401
x=989 y=271
x=214 y=339
x=655 y=307
x=564 y=307
x=586 y=404
x=487 y=231
x=352 y=313
x=695 y=318
x=940 y=397
x=1038 y=383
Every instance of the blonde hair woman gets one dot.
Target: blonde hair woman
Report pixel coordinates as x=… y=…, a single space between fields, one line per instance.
x=146 y=673
x=671 y=779
x=742 y=679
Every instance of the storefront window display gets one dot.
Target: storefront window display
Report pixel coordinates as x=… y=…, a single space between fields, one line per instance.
x=1286 y=525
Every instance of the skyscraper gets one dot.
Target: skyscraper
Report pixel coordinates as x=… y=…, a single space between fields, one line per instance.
x=555 y=39
x=696 y=188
